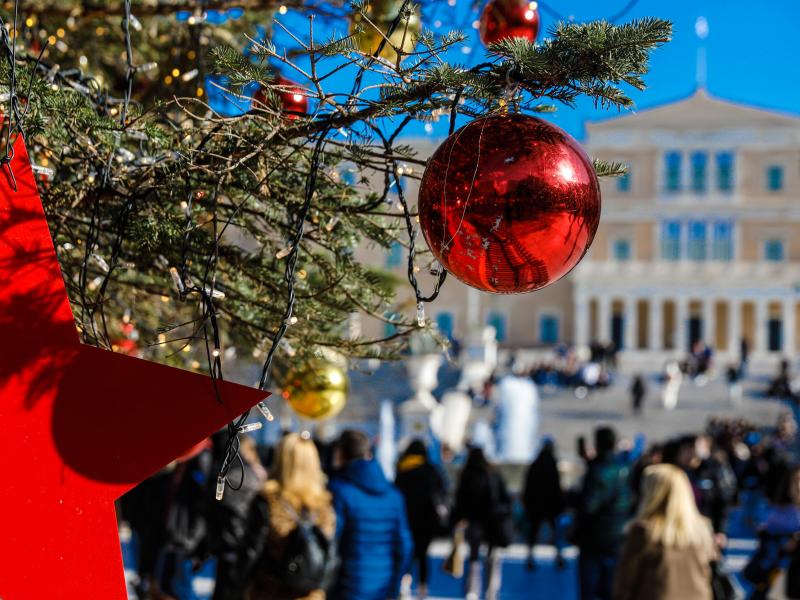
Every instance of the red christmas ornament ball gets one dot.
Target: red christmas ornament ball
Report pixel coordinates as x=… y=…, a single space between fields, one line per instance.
x=293 y=100
x=509 y=203
x=507 y=19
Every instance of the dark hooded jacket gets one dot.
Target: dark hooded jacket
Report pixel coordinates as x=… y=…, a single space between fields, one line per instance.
x=371 y=527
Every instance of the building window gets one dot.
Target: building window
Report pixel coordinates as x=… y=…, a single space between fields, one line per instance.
x=444 y=323
x=395 y=257
x=699 y=161
x=773 y=250
x=723 y=241
x=672 y=176
x=548 y=329
x=725 y=171
x=775 y=178
x=498 y=321
x=697 y=248
x=621 y=250
x=624 y=182
x=671 y=240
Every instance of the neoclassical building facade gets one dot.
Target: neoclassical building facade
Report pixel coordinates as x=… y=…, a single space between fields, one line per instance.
x=700 y=241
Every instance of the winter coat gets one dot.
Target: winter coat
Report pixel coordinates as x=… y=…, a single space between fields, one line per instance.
x=228 y=517
x=280 y=522
x=605 y=504
x=649 y=571
x=482 y=500
x=372 y=530
x=715 y=485
x=543 y=497
x=423 y=489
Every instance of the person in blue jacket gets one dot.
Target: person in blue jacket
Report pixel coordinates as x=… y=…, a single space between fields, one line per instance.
x=374 y=539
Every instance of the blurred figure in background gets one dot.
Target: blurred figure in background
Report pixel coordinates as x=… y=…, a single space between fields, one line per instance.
x=293 y=503
x=669 y=547
x=227 y=521
x=778 y=540
x=734 y=379
x=371 y=525
x=543 y=499
x=604 y=505
x=638 y=392
x=483 y=506
x=424 y=490
x=672 y=385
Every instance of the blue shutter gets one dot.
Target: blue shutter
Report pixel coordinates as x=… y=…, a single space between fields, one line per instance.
x=699 y=162
x=775 y=178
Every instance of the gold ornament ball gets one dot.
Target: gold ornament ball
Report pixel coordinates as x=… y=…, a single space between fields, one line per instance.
x=382 y=15
x=316 y=390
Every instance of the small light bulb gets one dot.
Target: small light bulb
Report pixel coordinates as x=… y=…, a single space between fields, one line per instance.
x=297 y=97
x=248 y=427
x=529 y=15
x=284 y=253
x=264 y=410
x=176 y=279
x=283 y=10
x=420 y=314
x=220 y=487
x=215 y=353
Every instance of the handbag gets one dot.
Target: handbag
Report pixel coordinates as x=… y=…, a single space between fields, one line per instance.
x=723 y=586
x=454 y=563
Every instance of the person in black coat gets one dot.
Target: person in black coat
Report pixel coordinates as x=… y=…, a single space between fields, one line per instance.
x=543 y=499
x=423 y=488
x=638 y=391
x=484 y=506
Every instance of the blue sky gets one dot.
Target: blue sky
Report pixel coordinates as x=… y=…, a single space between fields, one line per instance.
x=750 y=49
x=751 y=52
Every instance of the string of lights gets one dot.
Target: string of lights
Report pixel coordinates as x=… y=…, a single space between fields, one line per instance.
x=271 y=174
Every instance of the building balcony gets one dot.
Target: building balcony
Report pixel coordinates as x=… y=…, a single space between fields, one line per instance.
x=716 y=272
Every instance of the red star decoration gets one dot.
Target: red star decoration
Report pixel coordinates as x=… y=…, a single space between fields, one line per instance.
x=80 y=425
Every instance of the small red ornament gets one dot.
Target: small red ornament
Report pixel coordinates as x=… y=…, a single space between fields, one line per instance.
x=509 y=203
x=507 y=19
x=293 y=99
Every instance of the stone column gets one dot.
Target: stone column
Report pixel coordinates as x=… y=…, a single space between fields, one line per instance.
x=710 y=322
x=655 y=329
x=681 y=324
x=631 y=324
x=604 y=318
x=762 y=316
x=789 y=341
x=734 y=327
x=581 y=321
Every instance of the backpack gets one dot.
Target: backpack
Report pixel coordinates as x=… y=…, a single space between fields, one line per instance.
x=310 y=561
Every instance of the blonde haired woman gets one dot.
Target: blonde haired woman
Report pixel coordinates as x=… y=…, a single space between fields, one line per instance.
x=295 y=491
x=669 y=547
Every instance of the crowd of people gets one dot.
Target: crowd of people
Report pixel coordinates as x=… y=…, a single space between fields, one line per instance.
x=315 y=521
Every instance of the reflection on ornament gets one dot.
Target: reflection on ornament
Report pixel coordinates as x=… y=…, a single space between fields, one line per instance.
x=294 y=102
x=316 y=390
x=382 y=15
x=503 y=19
x=509 y=203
